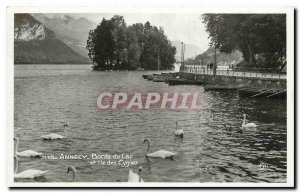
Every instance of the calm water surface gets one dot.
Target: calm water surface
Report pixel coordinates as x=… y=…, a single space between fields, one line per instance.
x=215 y=148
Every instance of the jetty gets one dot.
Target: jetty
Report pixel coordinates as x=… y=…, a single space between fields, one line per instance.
x=252 y=84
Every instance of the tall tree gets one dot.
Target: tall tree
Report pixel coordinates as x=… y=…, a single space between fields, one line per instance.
x=101 y=45
x=113 y=45
x=260 y=37
x=119 y=37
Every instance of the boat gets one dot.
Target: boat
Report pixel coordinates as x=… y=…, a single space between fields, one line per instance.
x=262 y=93
x=278 y=95
x=160 y=79
x=219 y=87
x=181 y=81
x=150 y=77
x=164 y=74
x=174 y=74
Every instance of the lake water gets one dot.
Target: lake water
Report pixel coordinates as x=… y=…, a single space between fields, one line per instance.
x=215 y=147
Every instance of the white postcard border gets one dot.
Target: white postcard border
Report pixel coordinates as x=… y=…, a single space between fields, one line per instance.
x=140 y=9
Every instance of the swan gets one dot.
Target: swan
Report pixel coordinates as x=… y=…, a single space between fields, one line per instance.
x=178 y=132
x=160 y=153
x=55 y=136
x=26 y=153
x=27 y=173
x=73 y=170
x=133 y=177
x=248 y=125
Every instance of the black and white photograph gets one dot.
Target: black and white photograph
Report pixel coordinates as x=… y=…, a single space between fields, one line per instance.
x=150 y=97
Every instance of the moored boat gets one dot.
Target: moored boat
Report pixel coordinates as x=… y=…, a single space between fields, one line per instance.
x=160 y=79
x=150 y=77
x=181 y=81
x=262 y=93
x=220 y=87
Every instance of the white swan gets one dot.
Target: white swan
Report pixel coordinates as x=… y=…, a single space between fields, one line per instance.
x=178 y=132
x=133 y=177
x=26 y=153
x=248 y=125
x=27 y=173
x=73 y=170
x=160 y=153
x=55 y=136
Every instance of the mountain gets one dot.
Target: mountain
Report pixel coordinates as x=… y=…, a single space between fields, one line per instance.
x=222 y=58
x=72 y=31
x=190 y=50
x=36 y=44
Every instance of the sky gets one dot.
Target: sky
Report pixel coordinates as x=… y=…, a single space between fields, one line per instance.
x=184 y=27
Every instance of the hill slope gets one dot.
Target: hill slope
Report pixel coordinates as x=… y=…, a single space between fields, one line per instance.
x=222 y=58
x=72 y=31
x=36 y=44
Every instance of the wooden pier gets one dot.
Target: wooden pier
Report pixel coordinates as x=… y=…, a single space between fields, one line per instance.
x=248 y=85
x=251 y=84
x=197 y=69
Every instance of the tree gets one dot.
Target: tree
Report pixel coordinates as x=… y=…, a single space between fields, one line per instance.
x=101 y=46
x=133 y=50
x=260 y=37
x=120 y=43
x=113 y=45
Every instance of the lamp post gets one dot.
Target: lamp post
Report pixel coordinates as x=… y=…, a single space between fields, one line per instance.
x=182 y=53
x=215 y=62
x=158 y=59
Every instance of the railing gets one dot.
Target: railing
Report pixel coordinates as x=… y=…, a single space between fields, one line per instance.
x=229 y=72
